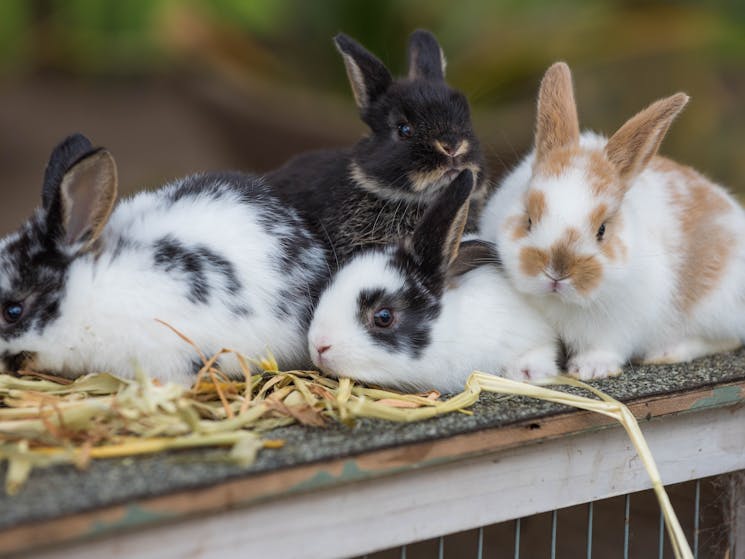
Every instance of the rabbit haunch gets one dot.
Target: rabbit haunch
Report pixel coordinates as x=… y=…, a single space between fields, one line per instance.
x=630 y=255
x=216 y=256
x=421 y=137
x=428 y=311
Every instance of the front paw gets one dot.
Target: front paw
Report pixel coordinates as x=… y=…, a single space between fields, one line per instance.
x=534 y=365
x=594 y=365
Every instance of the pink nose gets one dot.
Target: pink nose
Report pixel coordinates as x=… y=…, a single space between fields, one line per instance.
x=322 y=348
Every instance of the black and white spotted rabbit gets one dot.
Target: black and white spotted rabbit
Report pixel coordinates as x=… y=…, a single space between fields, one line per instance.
x=216 y=256
x=421 y=138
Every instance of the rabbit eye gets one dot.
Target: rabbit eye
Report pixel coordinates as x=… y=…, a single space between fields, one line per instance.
x=601 y=232
x=12 y=312
x=405 y=130
x=530 y=223
x=383 y=318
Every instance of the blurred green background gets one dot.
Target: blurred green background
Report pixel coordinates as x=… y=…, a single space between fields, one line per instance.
x=177 y=86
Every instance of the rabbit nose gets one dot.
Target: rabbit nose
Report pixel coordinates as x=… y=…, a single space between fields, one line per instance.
x=451 y=148
x=322 y=349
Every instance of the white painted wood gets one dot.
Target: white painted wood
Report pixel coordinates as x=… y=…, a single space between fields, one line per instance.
x=378 y=514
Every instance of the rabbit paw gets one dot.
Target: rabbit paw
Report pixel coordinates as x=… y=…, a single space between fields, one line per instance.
x=689 y=350
x=534 y=365
x=594 y=364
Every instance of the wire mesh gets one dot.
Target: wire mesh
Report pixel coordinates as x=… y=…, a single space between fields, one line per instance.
x=611 y=528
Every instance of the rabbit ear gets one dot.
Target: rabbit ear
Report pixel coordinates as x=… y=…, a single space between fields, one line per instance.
x=557 y=123
x=637 y=141
x=63 y=156
x=83 y=200
x=437 y=237
x=473 y=254
x=368 y=76
x=426 y=59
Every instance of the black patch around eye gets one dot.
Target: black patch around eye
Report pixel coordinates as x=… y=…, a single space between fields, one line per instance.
x=414 y=309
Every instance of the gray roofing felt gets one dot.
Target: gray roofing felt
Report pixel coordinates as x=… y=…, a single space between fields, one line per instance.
x=63 y=490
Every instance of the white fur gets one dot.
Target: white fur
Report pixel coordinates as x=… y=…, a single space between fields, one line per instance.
x=632 y=314
x=109 y=310
x=483 y=325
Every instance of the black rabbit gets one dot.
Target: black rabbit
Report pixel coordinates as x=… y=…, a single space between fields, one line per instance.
x=421 y=139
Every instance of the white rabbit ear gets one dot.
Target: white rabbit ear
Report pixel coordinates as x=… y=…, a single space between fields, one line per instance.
x=426 y=59
x=437 y=237
x=557 y=124
x=367 y=75
x=87 y=197
x=637 y=141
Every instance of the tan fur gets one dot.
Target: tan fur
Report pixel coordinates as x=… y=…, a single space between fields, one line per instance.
x=462 y=148
x=585 y=272
x=356 y=80
x=603 y=176
x=536 y=206
x=598 y=216
x=533 y=261
x=455 y=233
x=366 y=182
x=517 y=226
x=422 y=181
x=637 y=141
x=555 y=162
x=557 y=124
x=707 y=246
x=562 y=253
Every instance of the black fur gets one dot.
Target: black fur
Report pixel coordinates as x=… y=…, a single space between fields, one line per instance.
x=336 y=205
x=196 y=265
x=414 y=308
x=34 y=272
x=280 y=221
x=423 y=260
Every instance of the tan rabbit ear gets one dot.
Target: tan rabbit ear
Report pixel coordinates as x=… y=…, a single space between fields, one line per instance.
x=557 y=124
x=637 y=141
x=88 y=194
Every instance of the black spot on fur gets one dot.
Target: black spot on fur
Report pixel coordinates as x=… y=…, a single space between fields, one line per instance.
x=414 y=309
x=34 y=274
x=197 y=265
x=14 y=362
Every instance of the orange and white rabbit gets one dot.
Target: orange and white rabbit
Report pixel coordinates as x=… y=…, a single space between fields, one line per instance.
x=631 y=256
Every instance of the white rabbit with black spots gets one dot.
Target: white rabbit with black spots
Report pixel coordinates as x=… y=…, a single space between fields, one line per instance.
x=85 y=282
x=425 y=313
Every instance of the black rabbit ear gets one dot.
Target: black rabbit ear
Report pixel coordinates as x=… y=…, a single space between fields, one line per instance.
x=63 y=156
x=368 y=76
x=83 y=200
x=437 y=237
x=426 y=59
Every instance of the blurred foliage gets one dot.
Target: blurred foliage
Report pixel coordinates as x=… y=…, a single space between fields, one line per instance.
x=625 y=53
